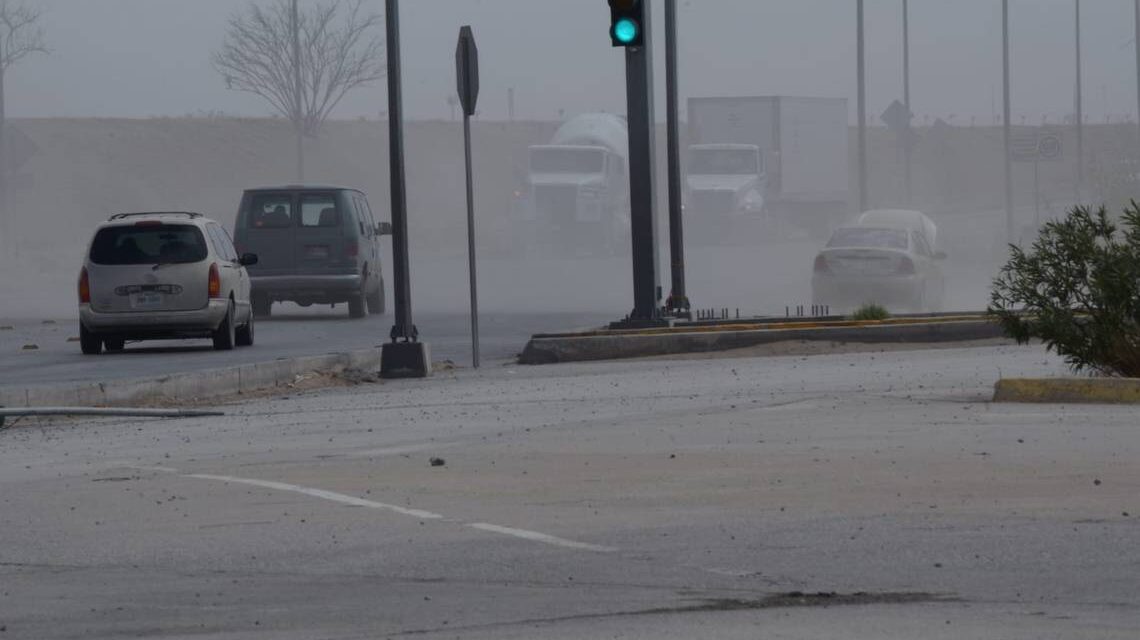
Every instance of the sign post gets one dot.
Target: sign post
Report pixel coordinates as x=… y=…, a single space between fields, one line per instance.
x=467 y=79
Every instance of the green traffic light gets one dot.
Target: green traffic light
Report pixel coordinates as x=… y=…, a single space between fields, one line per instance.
x=626 y=30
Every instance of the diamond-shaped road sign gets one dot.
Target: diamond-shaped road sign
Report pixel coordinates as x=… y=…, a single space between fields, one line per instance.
x=897 y=117
x=467 y=70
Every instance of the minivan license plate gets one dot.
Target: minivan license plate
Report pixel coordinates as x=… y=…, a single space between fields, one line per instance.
x=148 y=300
x=317 y=251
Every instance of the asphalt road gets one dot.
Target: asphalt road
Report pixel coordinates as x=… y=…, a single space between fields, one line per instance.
x=291 y=332
x=653 y=499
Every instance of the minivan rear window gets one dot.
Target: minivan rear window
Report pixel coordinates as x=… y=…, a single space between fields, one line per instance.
x=149 y=244
x=319 y=211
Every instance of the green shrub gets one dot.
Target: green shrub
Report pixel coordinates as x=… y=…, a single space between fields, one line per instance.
x=1077 y=289
x=870 y=312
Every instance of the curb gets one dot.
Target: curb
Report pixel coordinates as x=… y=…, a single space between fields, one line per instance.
x=1068 y=390
x=194 y=386
x=545 y=349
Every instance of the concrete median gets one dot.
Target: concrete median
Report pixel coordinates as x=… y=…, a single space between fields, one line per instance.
x=1068 y=390
x=613 y=345
x=191 y=387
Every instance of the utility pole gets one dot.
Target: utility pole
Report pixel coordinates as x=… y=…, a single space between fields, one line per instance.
x=1080 y=114
x=297 y=102
x=862 y=108
x=678 y=297
x=1007 y=131
x=1136 y=41
x=908 y=141
x=405 y=356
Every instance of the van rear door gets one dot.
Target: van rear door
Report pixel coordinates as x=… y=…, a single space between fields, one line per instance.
x=322 y=243
x=265 y=228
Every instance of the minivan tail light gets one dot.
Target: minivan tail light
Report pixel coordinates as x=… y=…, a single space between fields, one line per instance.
x=906 y=267
x=352 y=249
x=821 y=265
x=84 y=287
x=215 y=284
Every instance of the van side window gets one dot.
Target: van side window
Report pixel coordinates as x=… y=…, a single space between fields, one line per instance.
x=270 y=211
x=227 y=243
x=366 y=227
x=369 y=219
x=319 y=211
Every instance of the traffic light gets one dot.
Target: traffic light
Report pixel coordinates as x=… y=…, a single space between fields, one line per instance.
x=627 y=20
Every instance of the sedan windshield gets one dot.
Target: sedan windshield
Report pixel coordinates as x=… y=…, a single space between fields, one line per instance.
x=869 y=237
x=149 y=244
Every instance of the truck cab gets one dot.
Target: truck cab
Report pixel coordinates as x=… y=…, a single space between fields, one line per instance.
x=726 y=179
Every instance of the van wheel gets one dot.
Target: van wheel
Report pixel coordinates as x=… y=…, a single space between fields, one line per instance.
x=244 y=335
x=356 y=306
x=114 y=344
x=262 y=305
x=376 y=301
x=225 y=337
x=89 y=343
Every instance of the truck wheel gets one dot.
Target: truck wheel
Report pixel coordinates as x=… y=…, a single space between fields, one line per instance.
x=376 y=301
x=89 y=343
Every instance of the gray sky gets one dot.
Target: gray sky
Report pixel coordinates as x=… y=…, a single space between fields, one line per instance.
x=141 y=58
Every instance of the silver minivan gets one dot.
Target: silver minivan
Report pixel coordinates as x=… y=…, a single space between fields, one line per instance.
x=163 y=275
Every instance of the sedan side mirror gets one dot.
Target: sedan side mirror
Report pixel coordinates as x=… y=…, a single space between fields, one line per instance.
x=248 y=259
x=384 y=228
x=939 y=255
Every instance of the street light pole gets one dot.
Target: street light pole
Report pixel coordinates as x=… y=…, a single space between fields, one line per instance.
x=678 y=297
x=906 y=102
x=1080 y=113
x=1136 y=41
x=862 y=109
x=404 y=356
x=1007 y=132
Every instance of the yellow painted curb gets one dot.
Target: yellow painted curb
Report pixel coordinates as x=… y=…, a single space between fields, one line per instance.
x=1068 y=390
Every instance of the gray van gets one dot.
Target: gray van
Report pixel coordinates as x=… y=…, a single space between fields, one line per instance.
x=315 y=245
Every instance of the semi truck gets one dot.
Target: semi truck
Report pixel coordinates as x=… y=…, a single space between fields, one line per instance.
x=769 y=157
x=578 y=188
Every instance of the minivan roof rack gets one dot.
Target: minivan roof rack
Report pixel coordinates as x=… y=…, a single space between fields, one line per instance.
x=188 y=214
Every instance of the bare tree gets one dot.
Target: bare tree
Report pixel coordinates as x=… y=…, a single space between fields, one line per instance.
x=20 y=37
x=302 y=63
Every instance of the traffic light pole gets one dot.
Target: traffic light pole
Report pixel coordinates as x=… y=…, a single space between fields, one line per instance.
x=404 y=356
x=678 y=303
x=642 y=192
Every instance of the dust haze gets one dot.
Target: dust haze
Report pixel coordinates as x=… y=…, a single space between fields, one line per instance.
x=131 y=117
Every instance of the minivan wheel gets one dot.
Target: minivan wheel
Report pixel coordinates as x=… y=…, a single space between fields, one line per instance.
x=225 y=336
x=114 y=344
x=244 y=335
x=356 y=306
x=89 y=343
x=376 y=301
x=262 y=305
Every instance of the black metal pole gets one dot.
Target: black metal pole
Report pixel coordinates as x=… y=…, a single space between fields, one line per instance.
x=862 y=108
x=907 y=142
x=1007 y=130
x=1080 y=115
x=643 y=196
x=678 y=298
x=403 y=329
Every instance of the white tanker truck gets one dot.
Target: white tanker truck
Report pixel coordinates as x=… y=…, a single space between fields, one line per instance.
x=578 y=188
